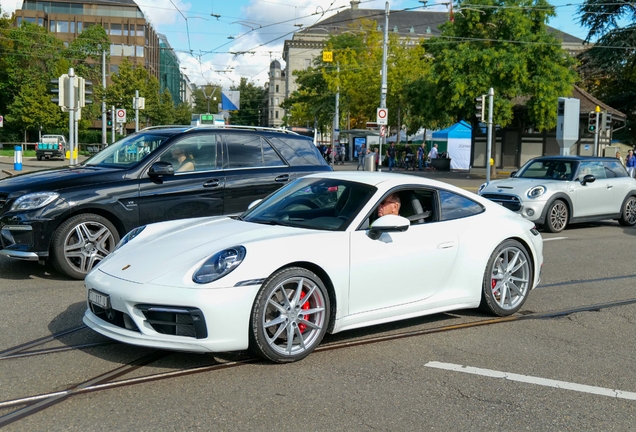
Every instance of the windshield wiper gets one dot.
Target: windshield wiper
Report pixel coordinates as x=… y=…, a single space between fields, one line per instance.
x=271 y=222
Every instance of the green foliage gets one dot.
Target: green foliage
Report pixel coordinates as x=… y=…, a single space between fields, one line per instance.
x=503 y=44
x=182 y=114
x=251 y=99
x=608 y=69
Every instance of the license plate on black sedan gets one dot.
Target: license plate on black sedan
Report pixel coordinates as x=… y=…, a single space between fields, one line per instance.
x=100 y=299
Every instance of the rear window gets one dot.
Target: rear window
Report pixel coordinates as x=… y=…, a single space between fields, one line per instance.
x=298 y=150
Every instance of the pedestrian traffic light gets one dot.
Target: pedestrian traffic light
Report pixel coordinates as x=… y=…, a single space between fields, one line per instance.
x=480 y=109
x=591 y=122
x=109 y=118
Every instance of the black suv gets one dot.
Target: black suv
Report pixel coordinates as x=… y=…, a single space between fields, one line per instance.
x=75 y=216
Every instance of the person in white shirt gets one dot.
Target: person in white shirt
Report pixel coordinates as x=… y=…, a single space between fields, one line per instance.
x=433 y=154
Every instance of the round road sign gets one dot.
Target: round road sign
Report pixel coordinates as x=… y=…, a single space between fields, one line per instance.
x=120 y=115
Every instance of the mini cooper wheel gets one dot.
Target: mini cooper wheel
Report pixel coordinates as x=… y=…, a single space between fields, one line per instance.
x=290 y=315
x=507 y=280
x=628 y=214
x=81 y=242
x=557 y=217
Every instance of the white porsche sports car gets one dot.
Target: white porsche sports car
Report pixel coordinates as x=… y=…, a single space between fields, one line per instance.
x=314 y=257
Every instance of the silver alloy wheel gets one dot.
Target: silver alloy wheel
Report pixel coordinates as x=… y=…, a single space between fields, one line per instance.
x=510 y=278
x=630 y=211
x=294 y=316
x=558 y=216
x=87 y=244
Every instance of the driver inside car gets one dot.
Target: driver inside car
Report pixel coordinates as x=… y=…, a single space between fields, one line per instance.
x=390 y=206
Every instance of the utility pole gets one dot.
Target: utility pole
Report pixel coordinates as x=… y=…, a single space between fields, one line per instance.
x=384 y=72
x=336 y=119
x=597 y=110
x=208 y=97
x=71 y=112
x=112 y=133
x=104 y=133
x=491 y=96
x=136 y=110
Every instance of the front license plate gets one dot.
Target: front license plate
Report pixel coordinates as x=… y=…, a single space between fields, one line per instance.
x=99 y=299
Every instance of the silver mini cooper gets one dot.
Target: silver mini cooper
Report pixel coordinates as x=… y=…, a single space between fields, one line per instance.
x=555 y=191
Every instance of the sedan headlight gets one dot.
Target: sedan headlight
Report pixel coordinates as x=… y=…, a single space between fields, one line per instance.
x=481 y=188
x=131 y=235
x=536 y=191
x=34 y=201
x=219 y=265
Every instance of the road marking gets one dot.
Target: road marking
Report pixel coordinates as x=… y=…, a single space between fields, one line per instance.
x=554 y=238
x=534 y=380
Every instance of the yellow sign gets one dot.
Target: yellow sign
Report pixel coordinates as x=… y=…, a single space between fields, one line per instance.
x=327 y=56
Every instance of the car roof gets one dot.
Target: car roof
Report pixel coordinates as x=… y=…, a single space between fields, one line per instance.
x=573 y=158
x=384 y=180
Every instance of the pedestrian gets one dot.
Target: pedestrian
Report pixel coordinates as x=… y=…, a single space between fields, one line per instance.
x=341 y=154
x=391 y=153
x=361 y=154
x=433 y=154
x=421 y=154
x=377 y=159
x=630 y=163
x=620 y=158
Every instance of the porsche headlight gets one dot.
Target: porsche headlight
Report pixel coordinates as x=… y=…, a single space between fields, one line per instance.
x=34 y=201
x=481 y=188
x=536 y=191
x=131 y=235
x=219 y=265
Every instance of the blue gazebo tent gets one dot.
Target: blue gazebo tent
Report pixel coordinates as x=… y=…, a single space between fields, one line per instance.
x=456 y=140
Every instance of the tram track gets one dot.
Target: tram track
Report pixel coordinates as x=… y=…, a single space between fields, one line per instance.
x=33 y=404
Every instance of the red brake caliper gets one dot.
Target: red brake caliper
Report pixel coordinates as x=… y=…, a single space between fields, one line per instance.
x=302 y=327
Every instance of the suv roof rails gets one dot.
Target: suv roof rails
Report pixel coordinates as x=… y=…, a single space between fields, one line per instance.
x=243 y=127
x=165 y=127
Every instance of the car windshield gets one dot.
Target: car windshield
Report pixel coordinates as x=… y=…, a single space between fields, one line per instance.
x=548 y=168
x=315 y=203
x=128 y=151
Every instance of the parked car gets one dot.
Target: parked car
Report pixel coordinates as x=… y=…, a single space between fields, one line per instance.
x=51 y=146
x=75 y=216
x=313 y=258
x=554 y=191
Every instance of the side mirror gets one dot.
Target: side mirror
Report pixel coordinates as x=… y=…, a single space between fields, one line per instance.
x=160 y=169
x=388 y=223
x=512 y=174
x=254 y=203
x=589 y=178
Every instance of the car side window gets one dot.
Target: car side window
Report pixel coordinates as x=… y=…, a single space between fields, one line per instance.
x=454 y=206
x=615 y=169
x=250 y=151
x=193 y=153
x=595 y=168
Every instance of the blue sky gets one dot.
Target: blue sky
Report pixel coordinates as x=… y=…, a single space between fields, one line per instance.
x=220 y=41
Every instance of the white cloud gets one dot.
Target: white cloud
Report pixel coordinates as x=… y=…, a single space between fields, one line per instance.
x=9 y=6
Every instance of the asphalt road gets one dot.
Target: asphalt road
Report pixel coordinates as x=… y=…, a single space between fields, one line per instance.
x=401 y=384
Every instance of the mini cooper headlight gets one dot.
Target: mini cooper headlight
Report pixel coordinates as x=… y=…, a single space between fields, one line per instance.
x=131 y=235
x=536 y=191
x=219 y=265
x=34 y=201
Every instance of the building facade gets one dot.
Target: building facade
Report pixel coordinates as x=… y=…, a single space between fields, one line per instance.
x=277 y=92
x=131 y=35
x=169 y=70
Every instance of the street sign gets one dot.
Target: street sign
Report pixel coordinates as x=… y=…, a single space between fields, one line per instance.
x=1 y=121
x=120 y=115
x=327 y=56
x=383 y=115
x=139 y=103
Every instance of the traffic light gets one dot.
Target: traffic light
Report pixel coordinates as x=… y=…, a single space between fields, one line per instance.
x=480 y=108
x=606 y=121
x=62 y=91
x=591 y=122
x=109 y=118
x=84 y=88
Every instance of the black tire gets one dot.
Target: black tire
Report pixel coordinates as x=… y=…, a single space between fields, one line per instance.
x=39 y=157
x=81 y=242
x=507 y=280
x=557 y=216
x=628 y=213
x=292 y=304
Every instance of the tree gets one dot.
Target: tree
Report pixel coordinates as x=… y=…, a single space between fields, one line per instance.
x=608 y=68
x=503 y=44
x=251 y=98
x=182 y=114
x=204 y=101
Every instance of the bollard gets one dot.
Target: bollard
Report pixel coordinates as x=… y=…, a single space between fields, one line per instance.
x=17 y=158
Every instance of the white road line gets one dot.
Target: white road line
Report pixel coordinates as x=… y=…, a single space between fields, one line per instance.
x=554 y=238
x=534 y=380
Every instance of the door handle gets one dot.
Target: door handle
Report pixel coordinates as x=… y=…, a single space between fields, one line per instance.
x=211 y=183
x=446 y=245
x=282 y=178
x=610 y=186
